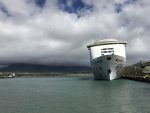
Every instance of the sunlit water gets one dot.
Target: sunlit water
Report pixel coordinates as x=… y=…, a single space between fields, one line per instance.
x=73 y=95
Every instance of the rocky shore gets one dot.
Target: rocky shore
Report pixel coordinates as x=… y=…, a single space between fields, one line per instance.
x=139 y=72
x=138 y=78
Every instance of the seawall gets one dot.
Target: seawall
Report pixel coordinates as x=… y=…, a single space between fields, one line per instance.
x=138 y=78
x=139 y=71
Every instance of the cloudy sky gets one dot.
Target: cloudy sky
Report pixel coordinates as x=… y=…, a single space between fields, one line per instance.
x=58 y=31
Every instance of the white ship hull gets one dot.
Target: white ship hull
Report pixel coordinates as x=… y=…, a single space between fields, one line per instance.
x=107 y=67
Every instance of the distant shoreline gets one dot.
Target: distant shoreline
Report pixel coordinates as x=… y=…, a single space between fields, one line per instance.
x=51 y=74
x=67 y=74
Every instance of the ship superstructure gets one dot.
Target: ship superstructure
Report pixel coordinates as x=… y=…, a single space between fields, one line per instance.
x=107 y=58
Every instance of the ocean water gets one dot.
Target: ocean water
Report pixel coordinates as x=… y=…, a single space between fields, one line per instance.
x=73 y=95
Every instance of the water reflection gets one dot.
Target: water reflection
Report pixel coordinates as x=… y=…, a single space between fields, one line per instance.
x=73 y=95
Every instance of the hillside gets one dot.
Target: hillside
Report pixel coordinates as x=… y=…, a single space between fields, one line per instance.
x=19 y=67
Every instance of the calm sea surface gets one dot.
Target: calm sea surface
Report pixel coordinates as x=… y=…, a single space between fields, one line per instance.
x=73 y=95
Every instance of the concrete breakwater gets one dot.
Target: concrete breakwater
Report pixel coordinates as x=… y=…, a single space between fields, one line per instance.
x=138 y=78
x=29 y=74
x=139 y=71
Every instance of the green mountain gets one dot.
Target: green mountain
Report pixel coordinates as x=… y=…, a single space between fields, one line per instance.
x=20 y=67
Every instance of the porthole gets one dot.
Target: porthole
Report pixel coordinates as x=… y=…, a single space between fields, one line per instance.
x=108 y=58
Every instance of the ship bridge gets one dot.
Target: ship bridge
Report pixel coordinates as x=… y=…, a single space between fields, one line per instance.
x=106 y=42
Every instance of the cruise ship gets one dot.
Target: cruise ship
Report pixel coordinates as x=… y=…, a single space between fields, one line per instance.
x=107 y=58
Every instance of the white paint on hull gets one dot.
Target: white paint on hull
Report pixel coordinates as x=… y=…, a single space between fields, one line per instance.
x=107 y=58
x=107 y=67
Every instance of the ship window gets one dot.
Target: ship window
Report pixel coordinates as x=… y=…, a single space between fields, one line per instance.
x=104 y=49
x=108 y=58
x=107 y=51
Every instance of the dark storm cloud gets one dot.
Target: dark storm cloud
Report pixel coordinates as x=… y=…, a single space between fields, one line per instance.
x=41 y=32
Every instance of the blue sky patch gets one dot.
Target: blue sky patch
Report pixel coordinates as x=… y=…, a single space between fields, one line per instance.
x=74 y=6
x=130 y=1
x=40 y=3
x=118 y=8
x=4 y=10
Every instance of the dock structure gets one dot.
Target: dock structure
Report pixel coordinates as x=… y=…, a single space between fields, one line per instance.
x=7 y=74
x=139 y=71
